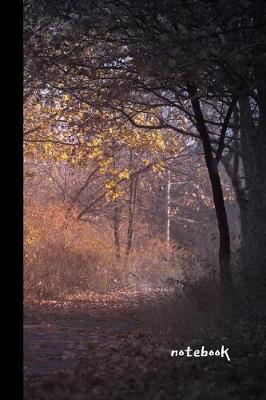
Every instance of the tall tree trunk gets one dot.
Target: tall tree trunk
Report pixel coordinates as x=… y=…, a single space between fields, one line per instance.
x=168 y=212
x=233 y=165
x=218 y=198
x=253 y=145
x=131 y=211
x=117 y=212
x=116 y=225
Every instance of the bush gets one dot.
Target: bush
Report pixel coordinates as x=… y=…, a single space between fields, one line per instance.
x=63 y=255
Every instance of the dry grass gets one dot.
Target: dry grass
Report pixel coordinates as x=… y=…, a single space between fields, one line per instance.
x=200 y=312
x=64 y=256
x=185 y=311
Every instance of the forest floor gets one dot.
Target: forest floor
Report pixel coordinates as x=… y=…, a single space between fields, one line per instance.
x=95 y=347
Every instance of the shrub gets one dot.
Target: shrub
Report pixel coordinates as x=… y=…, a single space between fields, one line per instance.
x=63 y=255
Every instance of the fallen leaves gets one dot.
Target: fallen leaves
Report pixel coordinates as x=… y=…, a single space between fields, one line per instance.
x=92 y=346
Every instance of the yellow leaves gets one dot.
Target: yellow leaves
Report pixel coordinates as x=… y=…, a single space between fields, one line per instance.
x=97 y=150
x=149 y=141
x=97 y=141
x=141 y=119
x=111 y=186
x=47 y=147
x=124 y=174
x=105 y=166
x=157 y=168
x=66 y=97
x=64 y=157
x=114 y=148
x=156 y=141
x=146 y=119
x=96 y=153
x=106 y=162
x=112 y=193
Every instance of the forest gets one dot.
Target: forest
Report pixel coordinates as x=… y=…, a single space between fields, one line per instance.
x=144 y=143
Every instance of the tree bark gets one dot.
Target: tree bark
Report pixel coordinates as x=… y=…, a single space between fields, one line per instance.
x=168 y=212
x=233 y=165
x=116 y=225
x=117 y=212
x=131 y=212
x=253 y=146
x=218 y=198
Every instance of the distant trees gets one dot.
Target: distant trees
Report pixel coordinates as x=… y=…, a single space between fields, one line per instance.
x=113 y=159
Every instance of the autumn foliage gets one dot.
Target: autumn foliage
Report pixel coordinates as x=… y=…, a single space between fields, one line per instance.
x=65 y=256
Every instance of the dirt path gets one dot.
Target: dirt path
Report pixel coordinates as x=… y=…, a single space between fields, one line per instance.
x=93 y=348
x=57 y=334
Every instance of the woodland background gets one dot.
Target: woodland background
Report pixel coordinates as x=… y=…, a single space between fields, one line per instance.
x=145 y=171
